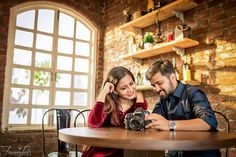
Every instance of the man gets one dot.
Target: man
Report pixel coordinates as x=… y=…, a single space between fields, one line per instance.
x=180 y=107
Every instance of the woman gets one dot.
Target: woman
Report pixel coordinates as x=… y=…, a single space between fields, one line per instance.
x=117 y=98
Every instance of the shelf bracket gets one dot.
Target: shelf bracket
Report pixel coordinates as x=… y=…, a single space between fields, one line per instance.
x=137 y=30
x=179 y=51
x=138 y=62
x=179 y=14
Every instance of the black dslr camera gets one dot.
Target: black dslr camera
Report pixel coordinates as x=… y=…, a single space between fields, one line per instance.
x=136 y=120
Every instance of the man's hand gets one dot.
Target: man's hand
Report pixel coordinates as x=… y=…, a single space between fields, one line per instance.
x=158 y=122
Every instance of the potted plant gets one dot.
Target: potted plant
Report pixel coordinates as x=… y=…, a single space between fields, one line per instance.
x=148 y=39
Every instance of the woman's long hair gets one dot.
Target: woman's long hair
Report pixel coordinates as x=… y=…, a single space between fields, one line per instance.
x=112 y=101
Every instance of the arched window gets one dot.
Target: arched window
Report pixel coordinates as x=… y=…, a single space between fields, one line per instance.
x=50 y=62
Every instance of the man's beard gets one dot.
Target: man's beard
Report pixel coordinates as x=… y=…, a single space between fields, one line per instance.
x=166 y=93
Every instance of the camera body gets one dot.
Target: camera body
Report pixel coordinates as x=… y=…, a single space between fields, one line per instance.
x=136 y=120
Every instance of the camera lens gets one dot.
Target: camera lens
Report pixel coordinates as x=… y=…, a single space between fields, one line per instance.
x=136 y=123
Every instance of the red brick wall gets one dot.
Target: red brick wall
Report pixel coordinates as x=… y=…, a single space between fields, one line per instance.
x=213 y=62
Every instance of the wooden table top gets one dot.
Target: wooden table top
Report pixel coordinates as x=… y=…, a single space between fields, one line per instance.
x=149 y=139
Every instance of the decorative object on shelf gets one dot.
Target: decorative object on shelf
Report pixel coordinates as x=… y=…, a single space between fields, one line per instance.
x=150 y=5
x=186 y=70
x=139 y=77
x=132 y=44
x=148 y=39
x=159 y=35
x=169 y=36
x=182 y=30
x=136 y=14
x=127 y=15
x=143 y=70
x=175 y=68
x=157 y=4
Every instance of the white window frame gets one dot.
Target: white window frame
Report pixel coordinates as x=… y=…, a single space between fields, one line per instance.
x=92 y=61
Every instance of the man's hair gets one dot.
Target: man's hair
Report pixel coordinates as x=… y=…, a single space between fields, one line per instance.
x=165 y=67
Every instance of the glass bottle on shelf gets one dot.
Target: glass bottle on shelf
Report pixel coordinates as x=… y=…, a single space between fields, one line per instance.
x=139 y=77
x=175 y=68
x=186 y=70
x=132 y=44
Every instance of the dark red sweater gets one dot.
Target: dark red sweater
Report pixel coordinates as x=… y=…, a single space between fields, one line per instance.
x=97 y=118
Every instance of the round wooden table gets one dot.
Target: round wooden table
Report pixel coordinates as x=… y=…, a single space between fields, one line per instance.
x=150 y=141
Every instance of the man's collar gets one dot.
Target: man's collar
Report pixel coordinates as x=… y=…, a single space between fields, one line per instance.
x=179 y=89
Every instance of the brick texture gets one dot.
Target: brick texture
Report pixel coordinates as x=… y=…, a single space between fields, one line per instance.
x=213 y=62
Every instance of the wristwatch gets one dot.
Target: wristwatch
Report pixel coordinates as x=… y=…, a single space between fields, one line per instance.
x=172 y=125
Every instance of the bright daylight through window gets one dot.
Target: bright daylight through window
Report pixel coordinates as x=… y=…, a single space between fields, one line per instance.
x=50 y=64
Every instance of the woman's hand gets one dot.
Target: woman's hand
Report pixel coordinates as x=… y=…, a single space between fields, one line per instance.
x=108 y=88
x=139 y=97
x=158 y=122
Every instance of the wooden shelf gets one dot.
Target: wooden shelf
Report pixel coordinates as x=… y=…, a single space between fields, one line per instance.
x=192 y=82
x=161 y=48
x=144 y=87
x=164 y=13
x=149 y=87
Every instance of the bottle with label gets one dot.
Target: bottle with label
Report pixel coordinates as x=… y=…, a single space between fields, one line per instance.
x=175 y=68
x=132 y=45
x=139 y=77
x=186 y=70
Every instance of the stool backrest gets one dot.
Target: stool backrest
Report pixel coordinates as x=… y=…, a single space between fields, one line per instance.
x=63 y=120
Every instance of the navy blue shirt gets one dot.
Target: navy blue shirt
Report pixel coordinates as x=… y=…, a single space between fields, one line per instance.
x=185 y=103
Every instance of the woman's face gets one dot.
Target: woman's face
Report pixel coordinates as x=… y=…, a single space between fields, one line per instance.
x=126 y=88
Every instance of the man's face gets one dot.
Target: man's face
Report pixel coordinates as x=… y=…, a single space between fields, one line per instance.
x=162 y=85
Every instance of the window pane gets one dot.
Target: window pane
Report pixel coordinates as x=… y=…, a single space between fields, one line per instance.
x=46 y=20
x=82 y=32
x=20 y=76
x=43 y=60
x=40 y=97
x=26 y=19
x=18 y=116
x=44 y=42
x=19 y=96
x=82 y=49
x=64 y=63
x=81 y=65
x=81 y=82
x=65 y=46
x=62 y=98
x=41 y=78
x=80 y=99
x=66 y=25
x=63 y=80
x=22 y=57
x=24 y=38
x=37 y=114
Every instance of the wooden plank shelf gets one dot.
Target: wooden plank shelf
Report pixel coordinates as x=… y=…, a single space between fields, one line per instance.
x=161 y=48
x=149 y=87
x=144 y=87
x=163 y=13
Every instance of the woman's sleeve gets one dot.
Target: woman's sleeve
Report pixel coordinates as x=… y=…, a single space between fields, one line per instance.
x=97 y=116
x=144 y=105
